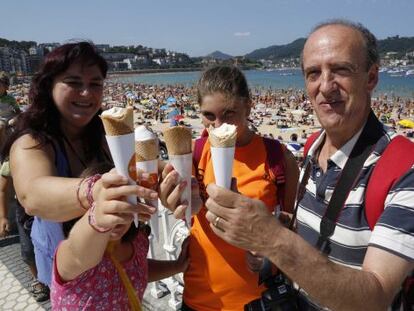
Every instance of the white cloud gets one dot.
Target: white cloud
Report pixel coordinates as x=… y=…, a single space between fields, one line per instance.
x=242 y=34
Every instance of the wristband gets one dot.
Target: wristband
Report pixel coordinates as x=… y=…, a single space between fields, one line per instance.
x=92 y=220
x=89 y=188
x=77 y=194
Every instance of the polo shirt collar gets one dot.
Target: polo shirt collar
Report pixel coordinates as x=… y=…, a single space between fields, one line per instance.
x=341 y=155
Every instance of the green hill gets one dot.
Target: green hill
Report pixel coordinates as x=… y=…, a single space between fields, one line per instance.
x=401 y=45
x=276 y=52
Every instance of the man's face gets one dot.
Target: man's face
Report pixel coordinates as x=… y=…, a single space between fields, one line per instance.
x=337 y=80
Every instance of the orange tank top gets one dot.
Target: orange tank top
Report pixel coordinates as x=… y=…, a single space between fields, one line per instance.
x=218 y=277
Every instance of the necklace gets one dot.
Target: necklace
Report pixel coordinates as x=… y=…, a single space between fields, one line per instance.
x=74 y=152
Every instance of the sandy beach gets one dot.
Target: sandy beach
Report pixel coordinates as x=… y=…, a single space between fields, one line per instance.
x=277 y=113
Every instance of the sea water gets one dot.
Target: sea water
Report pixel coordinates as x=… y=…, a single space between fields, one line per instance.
x=278 y=79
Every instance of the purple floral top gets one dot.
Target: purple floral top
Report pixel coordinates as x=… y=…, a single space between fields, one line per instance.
x=101 y=288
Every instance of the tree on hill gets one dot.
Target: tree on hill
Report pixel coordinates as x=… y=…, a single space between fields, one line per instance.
x=398 y=44
x=23 y=45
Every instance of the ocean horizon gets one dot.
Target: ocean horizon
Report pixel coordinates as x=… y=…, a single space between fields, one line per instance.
x=402 y=86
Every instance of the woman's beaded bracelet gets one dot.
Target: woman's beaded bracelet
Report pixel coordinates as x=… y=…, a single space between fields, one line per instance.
x=92 y=220
x=89 y=187
x=77 y=194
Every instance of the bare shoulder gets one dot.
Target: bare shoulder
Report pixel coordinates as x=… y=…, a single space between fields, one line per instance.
x=26 y=153
x=25 y=141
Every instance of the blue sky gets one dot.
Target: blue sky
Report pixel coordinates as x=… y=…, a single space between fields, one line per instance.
x=195 y=27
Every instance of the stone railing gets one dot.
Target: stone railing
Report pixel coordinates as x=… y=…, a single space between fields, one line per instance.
x=168 y=246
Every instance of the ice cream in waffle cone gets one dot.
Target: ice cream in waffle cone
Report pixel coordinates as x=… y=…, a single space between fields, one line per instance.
x=119 y=129
x=146 y=156
x=118 y=121
x=223 y=136
x=223 y=141
x=146 y=144
x=178 y=140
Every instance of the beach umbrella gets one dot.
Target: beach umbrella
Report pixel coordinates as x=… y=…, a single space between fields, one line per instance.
x=260 y=106
x=406 y=123
x=171 y=100
x=173 y=113
x=164 y=107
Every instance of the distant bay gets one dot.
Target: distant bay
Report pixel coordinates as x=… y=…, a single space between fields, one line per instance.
x=278 y=79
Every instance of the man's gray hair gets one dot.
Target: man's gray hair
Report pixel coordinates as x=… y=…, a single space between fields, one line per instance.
x=372 y=55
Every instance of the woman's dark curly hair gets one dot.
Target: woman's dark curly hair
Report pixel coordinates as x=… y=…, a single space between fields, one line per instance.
x=42 y=118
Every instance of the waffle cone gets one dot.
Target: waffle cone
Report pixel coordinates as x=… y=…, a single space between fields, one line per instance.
x=119 y=126
x=219 y=142
x=146 y=150
x=178 y=140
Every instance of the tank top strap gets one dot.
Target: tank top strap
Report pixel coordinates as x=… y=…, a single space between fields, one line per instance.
x=61 y=159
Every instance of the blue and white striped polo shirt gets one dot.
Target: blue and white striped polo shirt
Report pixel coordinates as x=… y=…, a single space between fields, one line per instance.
x=394 y=231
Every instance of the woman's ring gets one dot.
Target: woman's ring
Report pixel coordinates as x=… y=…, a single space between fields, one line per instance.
x=216 y=221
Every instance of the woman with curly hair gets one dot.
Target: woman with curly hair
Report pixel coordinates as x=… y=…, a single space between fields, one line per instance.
x=58 y=137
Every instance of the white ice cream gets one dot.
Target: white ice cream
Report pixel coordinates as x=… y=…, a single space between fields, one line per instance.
x=143 y=133
x=115 y=112
x=224 y=131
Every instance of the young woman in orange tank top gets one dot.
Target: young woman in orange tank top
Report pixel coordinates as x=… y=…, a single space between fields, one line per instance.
x=220 y=276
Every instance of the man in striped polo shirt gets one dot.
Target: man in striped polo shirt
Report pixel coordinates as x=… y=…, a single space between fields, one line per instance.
x=359 y=269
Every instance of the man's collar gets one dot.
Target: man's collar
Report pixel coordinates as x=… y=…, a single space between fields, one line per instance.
x=341 y=155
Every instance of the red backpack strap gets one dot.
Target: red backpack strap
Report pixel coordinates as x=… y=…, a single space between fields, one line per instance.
x=396 y=160
x=309 y=142
x=276 y=161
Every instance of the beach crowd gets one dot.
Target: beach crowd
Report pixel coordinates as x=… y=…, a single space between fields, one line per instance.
x=278 y=108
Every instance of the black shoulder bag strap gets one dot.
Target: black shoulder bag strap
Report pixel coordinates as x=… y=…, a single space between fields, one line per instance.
x=362 y=149
x=370 y=135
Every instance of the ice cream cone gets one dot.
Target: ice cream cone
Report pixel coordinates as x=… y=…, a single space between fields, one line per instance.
x=146 y=156
x=222 y=137
x=119 y=129
x=178 y=140
x=118 y=121
x=146 y=150
x=223 y=142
